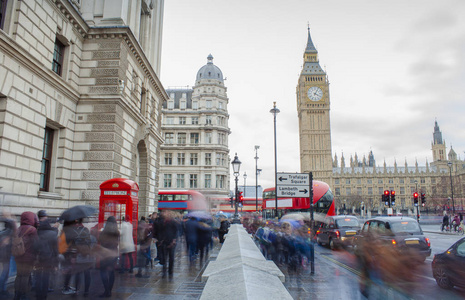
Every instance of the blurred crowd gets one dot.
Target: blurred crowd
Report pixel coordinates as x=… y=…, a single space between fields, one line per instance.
x=49 y=254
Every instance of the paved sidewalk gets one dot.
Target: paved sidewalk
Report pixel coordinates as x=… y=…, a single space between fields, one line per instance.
x=185 y=283
x=436 y=228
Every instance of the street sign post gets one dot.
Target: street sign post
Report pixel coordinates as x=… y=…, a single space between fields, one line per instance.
x=293 y=185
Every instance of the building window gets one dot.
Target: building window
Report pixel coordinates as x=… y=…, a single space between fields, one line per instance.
x=380 y=181
x=182 y=120
x=208 y=120
x=181 y=159
x=402 y=190
x=423 y=180
x=168 y=159
x=45 y=168
x=370 y=191
x=208 y=181
x=348 y=191
x=336 y=181
x=169 y=121
x=220 y=105
x=180 y=180
x=193 y=181
x=194 y=138
x=338 y=191
x=359 y=191
x=391 y=180
x=401 y=180
x=220 y=181
x=195 y=105
x=412 y=180
x=3 y=4
x=182 y=138
x=208 y=137
x=58 y=53
x=359 y=181
x=195 y=120
x=208 y=159
x=218 y=159
x=209 y=104
x=169 y=138
x=369 y=181
x=433 y=180
x=221 y=138
x=167 y=180
x=380 y=190
x=182 y=105
x=170 y=104
x=194 y=159
x=347 y=181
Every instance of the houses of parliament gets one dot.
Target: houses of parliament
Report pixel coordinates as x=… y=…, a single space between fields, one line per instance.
x=359 y=182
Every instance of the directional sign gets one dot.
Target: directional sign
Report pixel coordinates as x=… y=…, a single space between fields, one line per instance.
x=293 y=191
x=292 y=179
x=293 y=185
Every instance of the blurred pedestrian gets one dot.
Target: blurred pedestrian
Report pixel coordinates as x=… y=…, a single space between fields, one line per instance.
x=204 y=238
x=456 y=222
x=168 y=236
x=144 y=238
x=109 y=240
x=224 y=229
x=191 y=232
x=445 y=222
x=6 y=236
x=78 y=257
x=25 y=262
x=157 y=224
x=126 y=245
x=47 y=255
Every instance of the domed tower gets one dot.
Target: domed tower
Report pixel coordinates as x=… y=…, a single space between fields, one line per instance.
x=195 y=127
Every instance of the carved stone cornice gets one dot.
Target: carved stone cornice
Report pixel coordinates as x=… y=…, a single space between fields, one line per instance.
x=73 y=16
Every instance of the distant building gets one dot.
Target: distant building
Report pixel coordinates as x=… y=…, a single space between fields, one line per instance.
x=360 y=182
x=195 y=154
x=80 y=101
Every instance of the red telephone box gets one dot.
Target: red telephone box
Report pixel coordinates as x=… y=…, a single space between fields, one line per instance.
x=118 y=198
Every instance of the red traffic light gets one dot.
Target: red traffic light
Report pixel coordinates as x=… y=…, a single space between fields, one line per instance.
x=415 y=195
x=386 y=192
x=393 y=192
x=241 y=197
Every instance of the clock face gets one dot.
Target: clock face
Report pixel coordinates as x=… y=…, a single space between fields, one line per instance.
x=314 y=93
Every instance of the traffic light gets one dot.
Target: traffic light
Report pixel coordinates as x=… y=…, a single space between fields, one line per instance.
x=423 y=199
x=241 y=198
x=393 y=198
x=415 y=199
x=386 y=197
x=231 y=200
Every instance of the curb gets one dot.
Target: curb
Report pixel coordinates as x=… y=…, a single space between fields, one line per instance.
x=439 y=232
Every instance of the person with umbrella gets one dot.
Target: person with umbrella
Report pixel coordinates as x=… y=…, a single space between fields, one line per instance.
x=109 y=239
x=77 y=254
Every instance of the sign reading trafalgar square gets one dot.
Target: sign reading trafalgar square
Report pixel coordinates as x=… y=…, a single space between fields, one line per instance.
x=293 y=185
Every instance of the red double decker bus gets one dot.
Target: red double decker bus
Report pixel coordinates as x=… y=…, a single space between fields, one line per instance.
x=323 y=202
x=182 y=200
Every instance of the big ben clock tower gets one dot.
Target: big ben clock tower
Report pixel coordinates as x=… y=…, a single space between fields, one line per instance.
x=313 y=111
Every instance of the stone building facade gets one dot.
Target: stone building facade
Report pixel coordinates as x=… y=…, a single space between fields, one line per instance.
x=80 y=100
x=360 y=183
x=195 y=154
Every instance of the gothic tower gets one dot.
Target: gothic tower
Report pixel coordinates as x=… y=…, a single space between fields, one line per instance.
x=438 y=146
x=313 y=111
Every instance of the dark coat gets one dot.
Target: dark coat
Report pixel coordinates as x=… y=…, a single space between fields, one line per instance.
x=144 y=234
x=169 y=232
x=204 y=234
x=28 y=231
x=191 y=229
x=47 y=244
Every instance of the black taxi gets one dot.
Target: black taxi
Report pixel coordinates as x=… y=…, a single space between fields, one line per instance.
x=338 y=231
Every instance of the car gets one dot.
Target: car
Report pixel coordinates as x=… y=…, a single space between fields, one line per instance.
x=449 y=266
x=338 y=231
x=402 y=233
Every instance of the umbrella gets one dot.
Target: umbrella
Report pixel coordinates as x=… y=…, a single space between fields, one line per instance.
x=78 y=212
x=293 y=223
x=199 y=215
x=296 y=216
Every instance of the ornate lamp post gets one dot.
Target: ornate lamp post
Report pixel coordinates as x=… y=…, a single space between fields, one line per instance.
x=275 y=111
x=451 y=186
x=236 y=164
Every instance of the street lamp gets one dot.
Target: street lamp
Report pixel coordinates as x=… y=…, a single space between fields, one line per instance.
x=256 y=177
x=451 y=186
x=275 y=111
x=236 y=164
x=245 y=178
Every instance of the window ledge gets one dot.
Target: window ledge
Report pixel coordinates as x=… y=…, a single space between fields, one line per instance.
x=50 y=195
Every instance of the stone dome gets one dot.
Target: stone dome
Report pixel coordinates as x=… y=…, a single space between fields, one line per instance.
x=210 y=71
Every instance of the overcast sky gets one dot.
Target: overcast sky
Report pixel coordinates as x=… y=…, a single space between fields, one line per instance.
x=394 y=68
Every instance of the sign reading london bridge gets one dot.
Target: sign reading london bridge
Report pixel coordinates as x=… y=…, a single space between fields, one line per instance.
x=293 y=185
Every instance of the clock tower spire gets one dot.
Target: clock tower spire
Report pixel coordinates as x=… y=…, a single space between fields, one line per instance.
x=313 y=111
